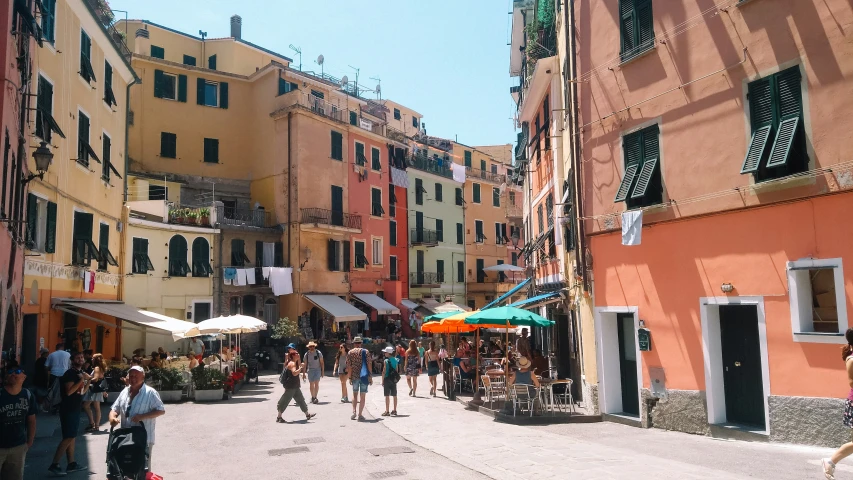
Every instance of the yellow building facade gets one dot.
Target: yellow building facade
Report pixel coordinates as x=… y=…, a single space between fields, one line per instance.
x=82 y=81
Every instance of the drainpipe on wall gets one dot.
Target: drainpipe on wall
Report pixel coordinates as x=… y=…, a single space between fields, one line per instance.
x=127 y=130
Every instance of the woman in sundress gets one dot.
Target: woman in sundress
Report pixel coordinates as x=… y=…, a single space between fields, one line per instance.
x=845 y=450
x=413 y=367
x=431 y=360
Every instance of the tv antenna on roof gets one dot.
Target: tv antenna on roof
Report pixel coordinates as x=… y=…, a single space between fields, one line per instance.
x=320 y=61
x=344 y=81
x=378 y=89
x=299 y=52
x=203 y=34
x=356 y=78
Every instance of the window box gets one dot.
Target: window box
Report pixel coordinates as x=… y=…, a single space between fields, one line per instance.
x=818 y=304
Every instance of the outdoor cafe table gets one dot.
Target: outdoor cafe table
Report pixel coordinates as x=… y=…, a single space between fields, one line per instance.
x=547 y=393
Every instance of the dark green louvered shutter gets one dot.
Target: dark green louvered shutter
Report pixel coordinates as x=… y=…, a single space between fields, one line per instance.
x=211 y=62
x=353 y=118
x=32 y=219
x=259 y=253
x=345 y=245
x=646 y=178
x=158 y=52
x=332 y=255
x=189 y=60
x=789 y=108
x=199 y=91
x=182 y=88
x=475 y=192
x=645 y=25
x=159 y=78
x=633 y=158
x=50 y=230
x=627 y=27
x=279 y=255
x=760 y=98
x=223 y=95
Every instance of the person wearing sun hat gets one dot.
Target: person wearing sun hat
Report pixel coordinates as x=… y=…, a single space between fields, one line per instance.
x=358 y=368
x=389 y=386
x=524 y=376
x=313 y=367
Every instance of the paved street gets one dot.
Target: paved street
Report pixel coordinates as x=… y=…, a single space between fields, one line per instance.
x=233 y=440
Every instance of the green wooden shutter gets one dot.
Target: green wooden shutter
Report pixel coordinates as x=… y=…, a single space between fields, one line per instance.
x=353 y=118
x=50 y=230
x=199 y=91
x=211 y=62
x=645 y=25
x=105 y=159
x=32 y=220
x=345 y=246
x=476 y=192
x=377 y=163
x=282 y=86
x=633 y=157
x=439 y=229
x=645 y=177
x=189 y=60
x=756 y=148
x=159 y=78
x=182 y=88
x=460 y=234
x=337 y=146
x=279 y=255
x=259 y=253
x=103 y=246
x=761 y=115
x=331 y=252
x=789 y=102
x=359 y=154
x=419 y=191
x=158 y=52
x=392 y=233
x=627 y=27
x=468 y=159
x=781 y=150
x=211 y=150
x=223 y=95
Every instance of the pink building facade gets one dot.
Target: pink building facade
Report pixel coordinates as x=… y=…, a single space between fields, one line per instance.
x=728 y=129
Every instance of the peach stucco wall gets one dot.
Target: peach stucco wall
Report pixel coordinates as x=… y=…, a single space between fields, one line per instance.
x=679 y=262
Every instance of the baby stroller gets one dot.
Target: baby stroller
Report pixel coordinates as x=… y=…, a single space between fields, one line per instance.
x=253 y=370
x=127 y=452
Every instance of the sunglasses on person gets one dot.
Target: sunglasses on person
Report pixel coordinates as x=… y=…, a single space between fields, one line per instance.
x=16 y=371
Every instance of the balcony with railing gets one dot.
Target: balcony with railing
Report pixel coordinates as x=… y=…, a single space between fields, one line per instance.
x=426 y=279
x=495 y=282
x=106 y=17
x=436 y=166
x=513 y=211
x=424 y=237
x=227 y=216
x=485 y=175
x=323 y=219
x=331 y=110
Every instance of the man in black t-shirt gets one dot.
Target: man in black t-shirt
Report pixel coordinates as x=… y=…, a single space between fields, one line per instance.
x=73 y=385
x=17 y=422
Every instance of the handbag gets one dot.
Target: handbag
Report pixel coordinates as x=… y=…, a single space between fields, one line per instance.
x=393 y=374
x=99 y=387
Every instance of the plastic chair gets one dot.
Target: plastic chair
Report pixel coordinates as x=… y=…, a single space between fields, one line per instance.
x=564 y=398
x=524 y=396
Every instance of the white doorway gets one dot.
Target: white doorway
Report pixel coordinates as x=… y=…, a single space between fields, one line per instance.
x=620 y=363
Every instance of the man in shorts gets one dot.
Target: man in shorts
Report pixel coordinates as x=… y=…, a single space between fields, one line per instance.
x=72 y=385
x=17 y=424
x=360 y=376
x=313 y=368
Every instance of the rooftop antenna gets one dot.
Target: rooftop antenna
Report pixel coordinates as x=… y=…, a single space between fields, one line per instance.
x=203 y=34
x=356 y=78
x=320 y=61
x=378 y=90
x=298 y=52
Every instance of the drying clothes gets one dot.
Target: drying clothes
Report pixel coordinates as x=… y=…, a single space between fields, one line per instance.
x=269 y=254
x=281 y=280
x=632 y=227
x=265 y=271
x=241 y=277
x=399 y=178
x=89 y=282
x=230 y=274
x=250 y=276
x=458 y=172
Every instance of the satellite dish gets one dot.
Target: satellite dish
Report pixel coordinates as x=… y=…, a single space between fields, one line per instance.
x=320 y=60
x=344 y=81
x=378 y=89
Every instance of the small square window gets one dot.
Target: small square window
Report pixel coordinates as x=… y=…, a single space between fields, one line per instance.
x=818 y=304
x=169 y=86
x=211 y=94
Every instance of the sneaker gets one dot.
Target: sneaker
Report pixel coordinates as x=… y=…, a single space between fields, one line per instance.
x=828 y=469
x=309 y=416
x=74 y=467
x=393 y=413
x=361 y=418
x=353 y=417
x=56 y=471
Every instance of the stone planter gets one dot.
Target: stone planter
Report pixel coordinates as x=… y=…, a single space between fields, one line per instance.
x=171 y=395
x=112 y=397
x=208 y=395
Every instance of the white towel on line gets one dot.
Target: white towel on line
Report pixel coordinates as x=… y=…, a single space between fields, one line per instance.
x=265 y=271
x=281 y=281
x=250 y=276
x=241 y=277
x=632 y=227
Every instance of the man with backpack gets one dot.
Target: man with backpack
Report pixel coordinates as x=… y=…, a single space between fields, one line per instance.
x=358 y=368
x=390 y=377
x=17 y=423
x=313 y=367
x=292 y=390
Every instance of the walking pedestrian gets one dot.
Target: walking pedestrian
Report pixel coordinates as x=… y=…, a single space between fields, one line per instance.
x=341 y=371
x=358 y=369
x=93 y=399
x=845 y=450
x=18 y=425
x=389 y=381
x=197 y=347
x=421 y=351
x=292 y=387
x=313 y=367
x=72 y=385
x=413 y=368
x=431 y=359
x=138 y=404
x=57 y=363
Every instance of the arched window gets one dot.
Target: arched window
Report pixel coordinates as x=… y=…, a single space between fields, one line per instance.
x=178 y=266
x=201 y=258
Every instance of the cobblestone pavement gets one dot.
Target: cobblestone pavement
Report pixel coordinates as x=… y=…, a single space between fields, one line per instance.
x=234 y=439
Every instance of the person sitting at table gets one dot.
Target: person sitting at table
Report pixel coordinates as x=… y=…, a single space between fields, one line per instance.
x=193 y=361
x=155 y=361
x=484 y=349
x=539 y=364
x=164 y=357
x=524 y=376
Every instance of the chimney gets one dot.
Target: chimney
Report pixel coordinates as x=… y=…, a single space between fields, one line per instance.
x=142 y=43
x=236 y=27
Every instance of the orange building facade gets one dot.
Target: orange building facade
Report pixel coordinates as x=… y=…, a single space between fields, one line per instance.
x=727 y=129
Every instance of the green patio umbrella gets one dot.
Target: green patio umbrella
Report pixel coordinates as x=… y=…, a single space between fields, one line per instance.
x=510 y=316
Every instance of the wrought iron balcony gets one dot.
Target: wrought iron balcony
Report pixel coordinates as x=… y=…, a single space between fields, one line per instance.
x=330 y=218
x=243 y=217
x=424 y=237
x=485 y=175
x=436 y=166
x=426 y=279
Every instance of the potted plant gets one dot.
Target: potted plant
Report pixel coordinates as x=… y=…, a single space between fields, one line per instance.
x=168 y=382
x=204 y=216
x=209 y=384
x=192 y=216
x=179 y=215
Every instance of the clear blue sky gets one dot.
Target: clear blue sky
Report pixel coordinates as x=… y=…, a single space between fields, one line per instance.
x=447 y=59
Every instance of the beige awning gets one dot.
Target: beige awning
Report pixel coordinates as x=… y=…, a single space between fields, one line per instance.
x=379 y=304
x=340 y=310
x=408 y=304
x=120 y=310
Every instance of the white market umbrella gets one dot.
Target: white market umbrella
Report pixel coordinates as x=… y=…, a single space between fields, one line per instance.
x=226 y=324
x=504 y=267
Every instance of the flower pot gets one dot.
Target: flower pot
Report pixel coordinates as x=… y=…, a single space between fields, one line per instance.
x=112 y=397
x=204 y=221
x=170 y=395
x=208 y=395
